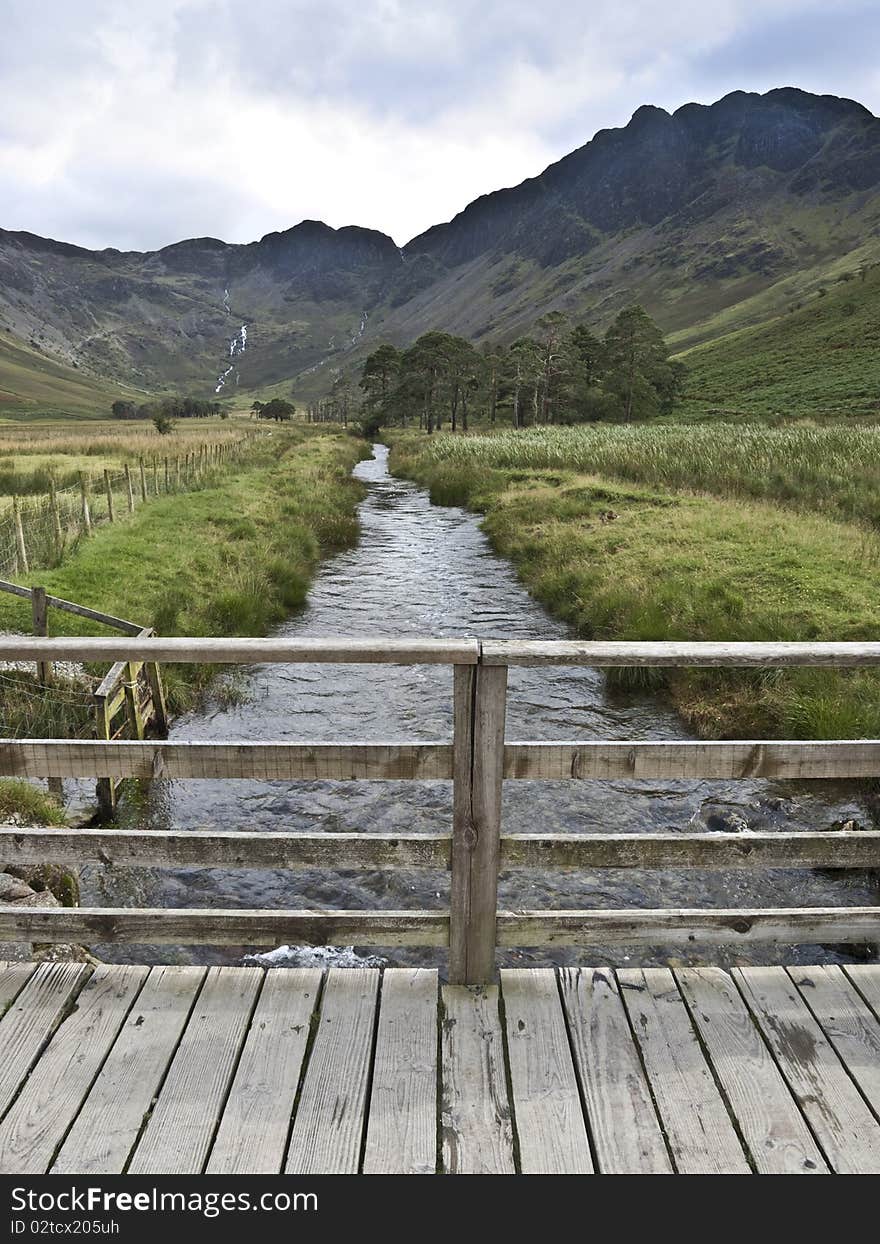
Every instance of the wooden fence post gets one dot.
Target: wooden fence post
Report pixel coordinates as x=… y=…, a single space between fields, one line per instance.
x=167 y=476
x=143 y=480
x=129 y=489
x=86 y=515
x=56 y=521
x=23 y=567
x=177 y=473
x=108 y=488
x=40 y=616
x=480 y=694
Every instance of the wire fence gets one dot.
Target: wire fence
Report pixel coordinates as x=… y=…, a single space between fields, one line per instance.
x=37 y=532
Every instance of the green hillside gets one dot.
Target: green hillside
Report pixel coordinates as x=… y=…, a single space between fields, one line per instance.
x=33 y=386
x=821 y=358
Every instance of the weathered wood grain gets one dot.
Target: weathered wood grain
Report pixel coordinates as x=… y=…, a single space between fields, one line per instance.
x=681 y=926
x=479 y=703
x=329 y=1124
x=294 y=762
x=107 y=1126
x=837 y=1113
x=626 y=1133
x=547 y=1109
x=844 y=849
x=866 y=978
x=341 y=651
x=701 y=1136
x=848 y=1023
x=692 y=759
x=36 y=1122
x=32 y=1017
x=402 y=1126
x=179 y=1133
x=770 y=1123
x=699 y=654
x=13 y=978
x=209 y=926
x=256 y=1119
x=189 y=848
x=476 y=1129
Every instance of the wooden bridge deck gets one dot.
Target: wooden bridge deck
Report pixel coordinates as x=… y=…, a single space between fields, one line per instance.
x=187 y=1069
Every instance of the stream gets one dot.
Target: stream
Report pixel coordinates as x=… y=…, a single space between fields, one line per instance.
x=422 y=570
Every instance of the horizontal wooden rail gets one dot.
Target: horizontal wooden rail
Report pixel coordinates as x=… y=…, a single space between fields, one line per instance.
x=245 y=651
x=346 y=762
x=69 y=606
x=699 y=653
x=163 y=848
x=225 y=849
x=631 y=927
x=814 y=759
x=162 y=926
x=421 y=761
x=682 y=926
x=844 y=849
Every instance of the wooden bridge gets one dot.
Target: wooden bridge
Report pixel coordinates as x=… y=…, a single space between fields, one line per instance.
x=188 y=1069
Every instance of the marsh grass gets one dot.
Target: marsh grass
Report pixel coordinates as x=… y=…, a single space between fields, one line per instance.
x=637 y=561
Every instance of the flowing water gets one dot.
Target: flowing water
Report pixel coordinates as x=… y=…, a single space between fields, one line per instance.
x=427 y=571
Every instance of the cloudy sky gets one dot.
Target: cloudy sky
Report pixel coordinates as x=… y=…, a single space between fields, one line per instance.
x=136 y=124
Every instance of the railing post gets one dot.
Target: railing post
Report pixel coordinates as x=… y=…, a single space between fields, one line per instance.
x=129 y=489
x=480 y=694
x=84 y=498
x=40 y=616
x=56 y=521
x=23 y=567
x=108 y=488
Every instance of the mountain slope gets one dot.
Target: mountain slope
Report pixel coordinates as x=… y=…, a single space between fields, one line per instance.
x=715 y=217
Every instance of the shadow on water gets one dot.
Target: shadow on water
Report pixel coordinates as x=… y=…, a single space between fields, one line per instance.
x=427 y=571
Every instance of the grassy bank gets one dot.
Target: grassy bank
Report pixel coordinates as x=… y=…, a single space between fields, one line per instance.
x=637 y=561
x=233 y=559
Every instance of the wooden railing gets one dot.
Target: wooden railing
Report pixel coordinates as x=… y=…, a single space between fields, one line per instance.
x=128 y=701
x=477 y=761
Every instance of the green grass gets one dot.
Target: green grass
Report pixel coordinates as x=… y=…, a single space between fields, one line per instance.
x=833 y=470
x=233 y=559
x=28 y=804
x=641 y=562
x=820 y=359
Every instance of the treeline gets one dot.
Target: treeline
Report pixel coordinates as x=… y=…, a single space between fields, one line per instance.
x=562 y=374
x=169 y=408
x=278 y=409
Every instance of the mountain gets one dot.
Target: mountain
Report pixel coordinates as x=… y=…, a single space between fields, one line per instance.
x=715 y=217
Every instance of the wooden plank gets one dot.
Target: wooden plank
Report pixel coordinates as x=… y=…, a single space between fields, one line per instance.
x=51 y=1097
x=626 y=1133
x=208 y=926
x=832 y=1105
x=480 y=697
x=179 y=1133
x=256 y=1118
x=31 y=1019
x=778 y=1139
x=402 y=1127
x=702 y=1139
x=697 y=654
x=112 y=1115
x=843 y=849
x=231 y=849
x=340 y=651
x=190 y=848
x=329 y=1124
x=692 y=759
x=547 y=1109
x=866 y=978
x=290 y=762
x=848 y=1023
x=13 y=978
x=476 y=1129
x=682 y=926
